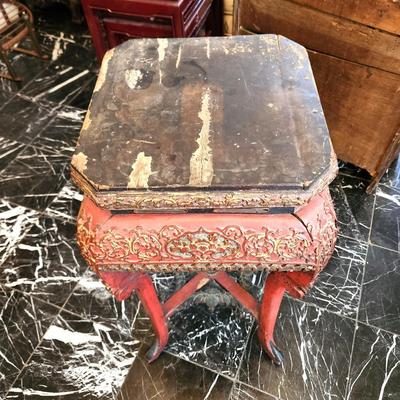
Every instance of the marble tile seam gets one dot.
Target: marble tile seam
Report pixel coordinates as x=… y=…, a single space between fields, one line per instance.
x=247 y=344
x=26 y=83
x=355 y=176
x=25 y=145
x=346 y=392
x=26 y=363
x=368 y=243
x=372 y=218
x=308 y=303
x=358 y=310
x=383 y=248
x=8 y=100
x=29 y=144
x=258 y=390
x=60 y=310
x=230 y=378
x=387 y=186
x=355 y=320
x=353 y=239
x=46 y=214
x=366 y=180
x=72 y=313
x=40 y=299
x=40 y=214
x=58 y=104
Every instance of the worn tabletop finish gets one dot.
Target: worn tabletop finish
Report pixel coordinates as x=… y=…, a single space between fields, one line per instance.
x=237 y=122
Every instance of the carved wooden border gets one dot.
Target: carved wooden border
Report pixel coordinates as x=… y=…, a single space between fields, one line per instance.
x=183 y=200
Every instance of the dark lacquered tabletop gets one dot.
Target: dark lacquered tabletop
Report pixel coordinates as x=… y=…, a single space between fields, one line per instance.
x=214 y=114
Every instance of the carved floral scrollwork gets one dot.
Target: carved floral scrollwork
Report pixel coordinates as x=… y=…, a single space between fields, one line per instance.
x=294 y=245
x=297 y=248
x=112 y=245
x=143 y=244
x=173 y=243
x=86 y=238
x=230 y=244
x=203 y=245
x=326 y=236
x=259 y=245
x=271 y=244
x=233 y=232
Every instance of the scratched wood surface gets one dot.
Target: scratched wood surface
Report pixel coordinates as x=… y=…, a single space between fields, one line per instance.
x=215 y=113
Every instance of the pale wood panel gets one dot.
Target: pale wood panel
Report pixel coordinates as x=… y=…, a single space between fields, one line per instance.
x=381 y=14
x=322 y=32
x=361 y=108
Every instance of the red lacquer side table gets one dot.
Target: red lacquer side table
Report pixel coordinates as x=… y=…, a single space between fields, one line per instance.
x=112 y=22
x=208 y=155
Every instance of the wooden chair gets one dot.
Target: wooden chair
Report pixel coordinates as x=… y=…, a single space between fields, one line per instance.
x=16 y=24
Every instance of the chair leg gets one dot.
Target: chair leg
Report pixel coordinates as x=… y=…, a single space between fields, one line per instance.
x=274 y=290
x=12 y=75
x=36 y=46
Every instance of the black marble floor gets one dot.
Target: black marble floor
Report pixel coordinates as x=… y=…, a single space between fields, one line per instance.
x=62 y=336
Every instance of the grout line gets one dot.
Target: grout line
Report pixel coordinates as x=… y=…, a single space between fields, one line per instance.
x=342 y=316
x=308 y=303
x=19 y=91
x=13 y=94
x=246 y=346
x=230 y=378
x=387 y=186
x=359 y=303
x=349 y=175
x=372 y=219
x=61 y=309
x=381 y=247
x=26 y=363
x=41 y=214
x=352 y=238
x=367 y=243
x=259 y=390
x=366 y=180
x=354 y=336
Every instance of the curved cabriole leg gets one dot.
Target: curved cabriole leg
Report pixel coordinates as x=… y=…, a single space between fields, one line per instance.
x=148 y=296
x=296 y=284
x=122 y=284
x=274 y=290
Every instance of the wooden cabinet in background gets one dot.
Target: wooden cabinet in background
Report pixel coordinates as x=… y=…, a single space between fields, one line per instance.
x=354 y=48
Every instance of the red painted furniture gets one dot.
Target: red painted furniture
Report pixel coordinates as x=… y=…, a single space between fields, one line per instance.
x=208 y=155
x=112 y=22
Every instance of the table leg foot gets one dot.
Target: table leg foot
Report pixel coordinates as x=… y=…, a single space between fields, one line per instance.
x=274 y=354
x=154 y=352
x=148 y=296
x=123 y=284
x=274 y=290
